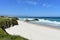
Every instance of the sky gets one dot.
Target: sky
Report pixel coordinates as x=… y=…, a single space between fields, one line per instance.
x=30 y=7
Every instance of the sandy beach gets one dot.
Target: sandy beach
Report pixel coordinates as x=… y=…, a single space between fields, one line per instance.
x=34 y=32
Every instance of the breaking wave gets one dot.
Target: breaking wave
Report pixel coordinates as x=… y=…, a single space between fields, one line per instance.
x=44 y=22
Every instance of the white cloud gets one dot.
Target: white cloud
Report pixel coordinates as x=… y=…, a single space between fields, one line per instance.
x=31 y=2
x=44 y=5
x=49 y=5
x=18 y=1
x=35 y=2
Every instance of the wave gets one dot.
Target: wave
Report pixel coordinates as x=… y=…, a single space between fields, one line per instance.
x=48 y=22
x=43 y=21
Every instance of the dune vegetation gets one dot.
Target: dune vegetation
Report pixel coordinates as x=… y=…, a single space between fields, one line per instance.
x=6 y=22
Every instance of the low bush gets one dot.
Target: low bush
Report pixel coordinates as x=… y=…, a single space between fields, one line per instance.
x=6 y=22
x=14 y=22
x=4 y=36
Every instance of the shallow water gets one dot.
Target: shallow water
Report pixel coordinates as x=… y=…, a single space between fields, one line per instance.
x=48 y=21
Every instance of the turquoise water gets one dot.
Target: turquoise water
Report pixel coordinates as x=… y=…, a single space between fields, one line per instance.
x=48 y=21
x=46 y=18
x=51 y=18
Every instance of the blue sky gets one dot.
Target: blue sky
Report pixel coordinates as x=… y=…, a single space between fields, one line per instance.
x=30 y=7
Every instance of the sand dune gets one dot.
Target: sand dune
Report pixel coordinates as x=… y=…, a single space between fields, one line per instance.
x=34 y=32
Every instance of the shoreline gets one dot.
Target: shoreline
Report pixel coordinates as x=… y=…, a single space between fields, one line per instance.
x=34 y=32
x=48 y=26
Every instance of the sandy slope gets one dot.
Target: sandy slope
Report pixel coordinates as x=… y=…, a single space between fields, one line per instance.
x=34 y=32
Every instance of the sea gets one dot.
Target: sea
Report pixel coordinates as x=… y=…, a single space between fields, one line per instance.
x=47 y=21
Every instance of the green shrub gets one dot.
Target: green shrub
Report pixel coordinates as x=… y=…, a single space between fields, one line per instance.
x=4 y=36
x=14 y=22
x=6 y=22
x=1 y=16
x=15 y=18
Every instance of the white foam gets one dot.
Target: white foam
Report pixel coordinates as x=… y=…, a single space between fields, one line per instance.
x=49 y=22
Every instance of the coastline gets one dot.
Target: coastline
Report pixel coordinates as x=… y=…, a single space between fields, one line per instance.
x=34 y=31
x=48 y=26
x=51 y=24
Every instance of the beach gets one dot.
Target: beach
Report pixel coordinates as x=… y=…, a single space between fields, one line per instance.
x=34 y=32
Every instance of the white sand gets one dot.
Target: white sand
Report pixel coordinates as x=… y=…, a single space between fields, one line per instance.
x=34 y=32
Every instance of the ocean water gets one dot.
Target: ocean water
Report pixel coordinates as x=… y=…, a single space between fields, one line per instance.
x=48 y=21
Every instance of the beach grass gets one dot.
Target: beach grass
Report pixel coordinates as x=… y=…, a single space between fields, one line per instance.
x=4 y=36
x=6 y=22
